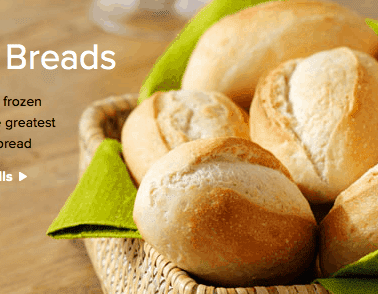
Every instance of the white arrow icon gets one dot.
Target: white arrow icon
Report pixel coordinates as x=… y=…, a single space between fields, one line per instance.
x=21 y=176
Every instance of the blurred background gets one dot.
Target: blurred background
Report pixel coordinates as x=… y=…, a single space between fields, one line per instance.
x=138 y=32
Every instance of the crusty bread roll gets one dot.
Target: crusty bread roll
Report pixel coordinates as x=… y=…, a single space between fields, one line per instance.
x=168 y=119
x=231 y=55
x=350 y=230
x=226 y=211
x=318 y=116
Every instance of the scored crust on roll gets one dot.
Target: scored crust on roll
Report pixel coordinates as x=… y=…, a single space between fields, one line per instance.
x=236 y=51
x=350 y=230
x=317 y=115
x=168 y=119
x=226 y=211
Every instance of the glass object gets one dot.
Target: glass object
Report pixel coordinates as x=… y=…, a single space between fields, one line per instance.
x=148 y=19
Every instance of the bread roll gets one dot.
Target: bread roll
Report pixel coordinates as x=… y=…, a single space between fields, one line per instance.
x=168 y=119
x=226 y=211
x=350 y=230
x=318 y=116
x=231 y=55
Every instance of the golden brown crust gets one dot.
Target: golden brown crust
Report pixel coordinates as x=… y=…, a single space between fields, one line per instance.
x=349 y=231
x=271 y=130
x=235 y=52
x=168 y=119
x=256 y=224
x=142 y=145
x=266 y=243
x=350 y=150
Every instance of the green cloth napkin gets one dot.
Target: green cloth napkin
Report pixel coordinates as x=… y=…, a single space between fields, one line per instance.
x=358 y=277
x=373 y=24
x=103 y=201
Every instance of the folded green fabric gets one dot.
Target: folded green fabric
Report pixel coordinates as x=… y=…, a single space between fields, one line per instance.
x=373 y=24
x=103 y=201
x=350 y=286
x=358 y=277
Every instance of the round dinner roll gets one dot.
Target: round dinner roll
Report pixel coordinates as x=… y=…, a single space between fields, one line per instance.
x=350 y=230
x=226 y=211
x=231 y=55
x=318 y=116
x=168 y=119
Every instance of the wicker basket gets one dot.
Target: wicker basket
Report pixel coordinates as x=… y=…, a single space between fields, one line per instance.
x=130 y=265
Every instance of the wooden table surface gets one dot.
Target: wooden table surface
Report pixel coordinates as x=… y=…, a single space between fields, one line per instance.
x=31 y=262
